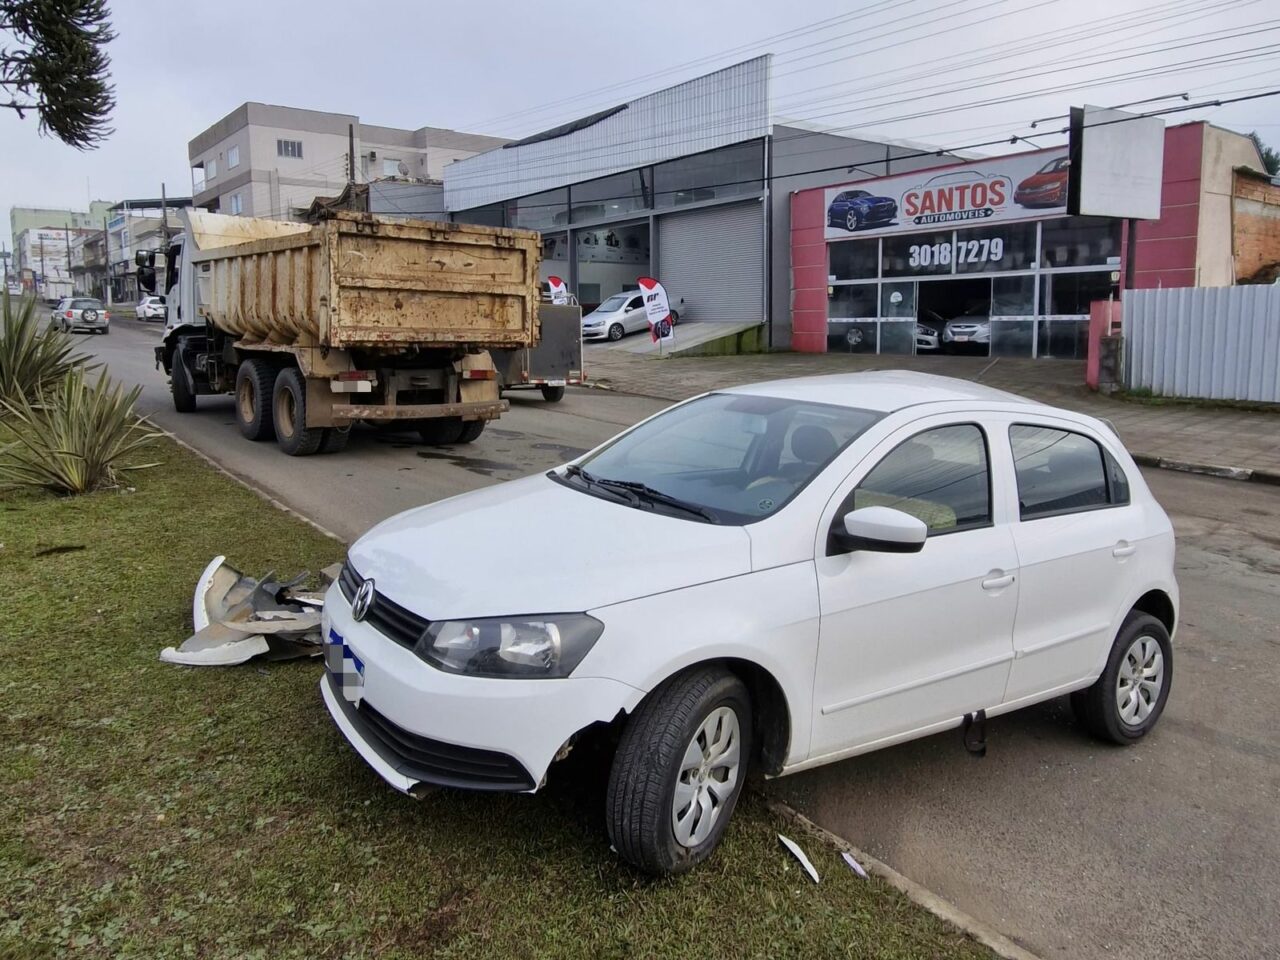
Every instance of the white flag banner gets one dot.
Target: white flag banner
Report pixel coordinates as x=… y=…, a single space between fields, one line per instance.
x=657 y=310
x=559 y=292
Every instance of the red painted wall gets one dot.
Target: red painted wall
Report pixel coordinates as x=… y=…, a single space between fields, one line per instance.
x=1166 y=254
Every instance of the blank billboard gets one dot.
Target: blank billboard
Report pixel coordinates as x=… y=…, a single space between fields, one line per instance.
x=1117 y=164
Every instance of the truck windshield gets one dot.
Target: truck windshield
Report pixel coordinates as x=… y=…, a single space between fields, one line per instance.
x=724 y=458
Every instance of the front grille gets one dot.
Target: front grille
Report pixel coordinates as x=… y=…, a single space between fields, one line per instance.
x=445 y=764
x=387 y=617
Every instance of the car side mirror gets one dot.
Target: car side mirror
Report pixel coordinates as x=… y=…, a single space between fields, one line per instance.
x=882 y=530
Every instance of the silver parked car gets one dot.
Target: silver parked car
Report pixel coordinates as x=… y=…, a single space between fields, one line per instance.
x=81 y=313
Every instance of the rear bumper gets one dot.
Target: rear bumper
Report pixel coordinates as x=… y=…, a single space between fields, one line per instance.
x=486 y=410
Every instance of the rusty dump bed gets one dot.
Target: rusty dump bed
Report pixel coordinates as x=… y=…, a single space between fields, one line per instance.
x=366 y=282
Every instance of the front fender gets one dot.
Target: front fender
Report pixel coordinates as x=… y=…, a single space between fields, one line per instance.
x=768 y=618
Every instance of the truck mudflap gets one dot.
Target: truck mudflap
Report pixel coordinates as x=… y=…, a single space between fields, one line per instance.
x=487 y=410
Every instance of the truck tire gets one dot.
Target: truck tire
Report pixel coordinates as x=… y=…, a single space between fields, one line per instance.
x=255 y=381
x=553 y=394
x=289 y=410
x=184 y=395
x=440 y=431
x=335 y=439
x=471 y=430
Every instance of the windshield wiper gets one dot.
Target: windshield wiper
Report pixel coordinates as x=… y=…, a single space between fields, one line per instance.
x=591 y=480
x=657 y=496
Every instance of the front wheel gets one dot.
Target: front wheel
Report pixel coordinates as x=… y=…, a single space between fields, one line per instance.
x=675 y=318
x=616 y=332
x=184 y=394
x=1126 y=701
x=678 y=771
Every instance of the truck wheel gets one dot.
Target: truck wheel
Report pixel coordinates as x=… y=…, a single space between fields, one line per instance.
x=553 y=394
x=184 y=396
x=289 y=409
x=335 y=439
x=471 y=430
x=440 y=430
x=255 y=381
x=678 y=771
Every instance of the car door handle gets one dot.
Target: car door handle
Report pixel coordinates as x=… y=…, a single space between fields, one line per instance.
x=997 y=579
x=1124 y=549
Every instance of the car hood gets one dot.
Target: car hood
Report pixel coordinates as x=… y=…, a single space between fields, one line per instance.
x=538 y=546
x=1041 y=180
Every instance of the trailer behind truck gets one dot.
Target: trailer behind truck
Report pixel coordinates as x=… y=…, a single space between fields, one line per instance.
x=313 y=328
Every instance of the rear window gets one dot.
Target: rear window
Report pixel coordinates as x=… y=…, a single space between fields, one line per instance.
x=1063 y=472
x=86 y=304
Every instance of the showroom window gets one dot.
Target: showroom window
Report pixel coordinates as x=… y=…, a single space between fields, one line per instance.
x=728 y=172
x=918 y=254
x=1071 y=294
x=538 y=210
x=854 y=259
x=493 y=215
x=1058 y=472
x=852 y=301
x=939 y=476
x=1080 y=242
x=992 y=249
x=612 y=196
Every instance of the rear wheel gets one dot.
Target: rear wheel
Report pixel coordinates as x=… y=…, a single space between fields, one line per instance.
x=335 y=439
x=678 y=771
x=441 y=430
x=255 y=381
x=184 y=395
x=552 y=394
x=289 y=409
x=1127 y=700
x=471 y=430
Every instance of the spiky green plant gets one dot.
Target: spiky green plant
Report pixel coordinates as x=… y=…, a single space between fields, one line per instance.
x=74 y=437
x=32 y=358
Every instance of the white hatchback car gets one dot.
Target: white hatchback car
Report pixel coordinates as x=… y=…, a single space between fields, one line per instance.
x=621 y=314
x=779 y=576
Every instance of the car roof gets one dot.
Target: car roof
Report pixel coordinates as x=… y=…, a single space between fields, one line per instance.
x=884 y=390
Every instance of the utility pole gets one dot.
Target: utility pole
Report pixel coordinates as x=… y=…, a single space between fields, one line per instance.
x=66 y=235
x=44 y=282
x=106 y=260
x=164 y=218
x=351 y=153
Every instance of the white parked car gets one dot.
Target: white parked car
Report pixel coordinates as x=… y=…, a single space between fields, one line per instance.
x=150 y=307
x=775 y=576
x=621 y=314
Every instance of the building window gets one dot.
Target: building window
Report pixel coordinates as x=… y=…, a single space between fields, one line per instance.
x=728 y=172
x=612 y=196
x=918 y=254
x=210 y=169
x=852 y=301
x=992 y=249
x=1080 y=242
x=493 y=215
x=233 y=158
x=390 y=167
x=539 y=210
x=854 y=259
x=289 y=148
x=235 y=204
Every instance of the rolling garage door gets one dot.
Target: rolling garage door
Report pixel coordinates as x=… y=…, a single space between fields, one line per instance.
x=714 y=259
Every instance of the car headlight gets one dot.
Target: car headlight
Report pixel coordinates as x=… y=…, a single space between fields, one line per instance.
x=520 y=647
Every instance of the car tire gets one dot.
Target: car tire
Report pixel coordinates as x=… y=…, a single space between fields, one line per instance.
x=851 y=221
x=616 y=332
x=471 y=431
x=440 y=431
x=335 y=439
x=184 y=394
x=553 y=394
x=289 y=415
x=1116 y=708
x=255 y=387
x=675 y=318
x=697 y=715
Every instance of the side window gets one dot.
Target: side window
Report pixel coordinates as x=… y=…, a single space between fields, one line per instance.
x=940 y=476
x=1062 y=472
x=634 y=303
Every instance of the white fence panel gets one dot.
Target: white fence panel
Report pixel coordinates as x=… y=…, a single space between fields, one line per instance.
x=1218 y=343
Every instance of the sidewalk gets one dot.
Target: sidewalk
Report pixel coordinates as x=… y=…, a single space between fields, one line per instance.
x=1180 y=434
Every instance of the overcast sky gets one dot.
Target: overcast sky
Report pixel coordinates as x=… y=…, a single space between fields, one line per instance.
x=911 y=69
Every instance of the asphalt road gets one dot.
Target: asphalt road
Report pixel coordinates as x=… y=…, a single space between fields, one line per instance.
x=1167 y=849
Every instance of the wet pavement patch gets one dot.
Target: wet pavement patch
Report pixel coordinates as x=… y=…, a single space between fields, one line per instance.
x=486 y=468
x=563 y=449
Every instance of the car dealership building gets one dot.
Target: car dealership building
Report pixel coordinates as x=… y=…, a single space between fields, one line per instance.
x=837 y=243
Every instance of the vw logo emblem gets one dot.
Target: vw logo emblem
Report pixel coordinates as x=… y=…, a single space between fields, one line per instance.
x=363 y=601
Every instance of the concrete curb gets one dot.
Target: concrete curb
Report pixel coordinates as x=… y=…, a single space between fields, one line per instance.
x=943 y=909
x=253 y=488
x=1208 y=469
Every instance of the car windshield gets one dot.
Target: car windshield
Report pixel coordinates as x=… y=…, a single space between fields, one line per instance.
x=613 y=303
x=86 y=304
x=725 y=458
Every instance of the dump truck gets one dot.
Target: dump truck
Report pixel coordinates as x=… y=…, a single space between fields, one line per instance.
x=357 y=318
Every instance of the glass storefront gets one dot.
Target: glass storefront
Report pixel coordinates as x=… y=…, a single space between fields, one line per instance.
x=1014 y=290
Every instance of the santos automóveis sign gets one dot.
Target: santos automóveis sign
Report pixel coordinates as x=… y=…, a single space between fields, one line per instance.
x=999 y=190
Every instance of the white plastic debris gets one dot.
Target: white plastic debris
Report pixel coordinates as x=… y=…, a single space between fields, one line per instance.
x=854 y=865
x=799 y=855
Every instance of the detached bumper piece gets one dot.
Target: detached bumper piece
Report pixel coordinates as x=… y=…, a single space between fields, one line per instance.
x=423 y=760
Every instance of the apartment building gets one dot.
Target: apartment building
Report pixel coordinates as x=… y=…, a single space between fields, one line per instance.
x=269 y=161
